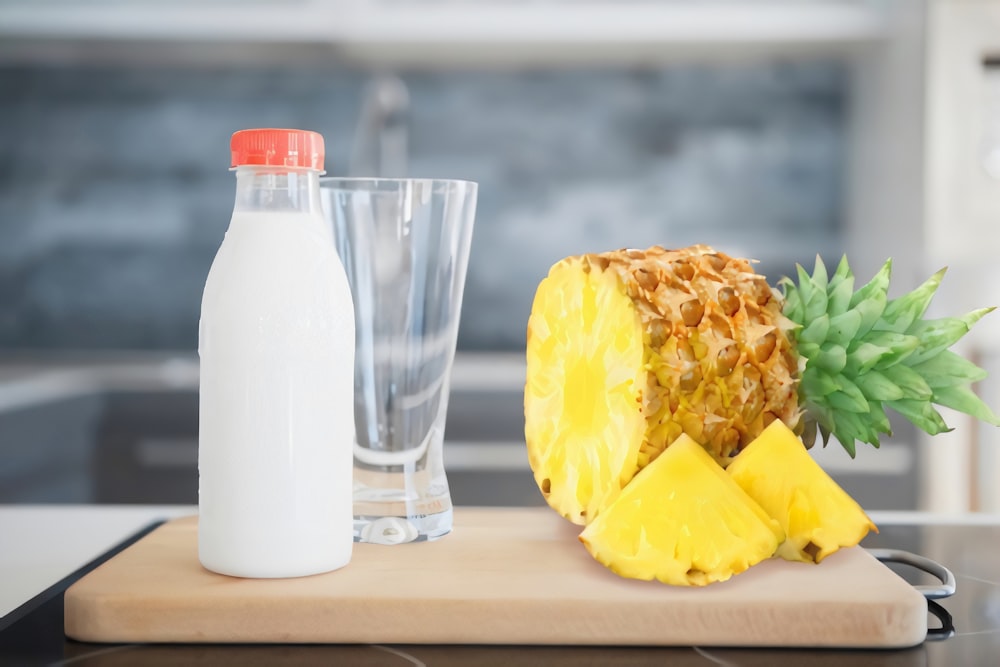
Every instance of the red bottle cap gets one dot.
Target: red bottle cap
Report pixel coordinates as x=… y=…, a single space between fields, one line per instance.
x=278 y=147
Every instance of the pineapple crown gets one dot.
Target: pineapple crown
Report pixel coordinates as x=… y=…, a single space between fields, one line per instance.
x=861 y=352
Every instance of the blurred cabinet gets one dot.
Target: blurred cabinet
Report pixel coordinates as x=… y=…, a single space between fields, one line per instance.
x=962 y=229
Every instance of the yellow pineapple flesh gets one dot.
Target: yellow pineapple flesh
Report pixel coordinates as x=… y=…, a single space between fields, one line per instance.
x=683 y=521
x=583 y=398
x=627 y=350
x=816 y=514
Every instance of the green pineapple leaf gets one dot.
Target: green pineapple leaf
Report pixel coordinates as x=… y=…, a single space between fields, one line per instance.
x=848 y=399
x=843 y=272
x=794 y=308
x=938 y=335
x=877 y=387
x=808 y=350
x=879 y=284
x=813 y=291
x=909 y=381
x=818 y=383
x=832 y=358
x=862 y=358
x=922 y=414
x=948 y=369
x=816 y=305
x=900 y=313
x=816 y=331
x=861 y=353
x=870 y=300
x=879 y=420
x=819 y=276
x=821 y=416
x=847 y=434
x=840 y=290
x=897 y=346
x=849 y=447
x=963 y=399
x=849 y=429
x=851 y=390
x=844 y=327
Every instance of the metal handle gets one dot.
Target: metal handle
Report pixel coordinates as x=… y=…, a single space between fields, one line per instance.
x=947 y=629
x=944 y=590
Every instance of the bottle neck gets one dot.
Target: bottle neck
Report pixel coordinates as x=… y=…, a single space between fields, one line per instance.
x=284 y=189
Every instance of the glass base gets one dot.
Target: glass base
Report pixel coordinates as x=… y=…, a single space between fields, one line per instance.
x=401 y=529
x=396 y=508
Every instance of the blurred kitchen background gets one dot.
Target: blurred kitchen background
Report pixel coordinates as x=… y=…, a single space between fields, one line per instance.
x=772 y=129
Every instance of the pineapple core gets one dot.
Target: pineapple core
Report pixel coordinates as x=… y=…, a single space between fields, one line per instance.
x=818 y=516
x=683 y=521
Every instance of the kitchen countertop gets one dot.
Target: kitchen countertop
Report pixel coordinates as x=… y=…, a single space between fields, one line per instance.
x=39 y=545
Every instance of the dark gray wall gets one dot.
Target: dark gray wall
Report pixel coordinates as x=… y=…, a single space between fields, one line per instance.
x=114 y=190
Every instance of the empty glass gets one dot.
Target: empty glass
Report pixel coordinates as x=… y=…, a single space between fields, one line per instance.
x=405 y=246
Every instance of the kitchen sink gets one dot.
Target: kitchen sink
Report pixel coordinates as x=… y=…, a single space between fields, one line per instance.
x=126 y=432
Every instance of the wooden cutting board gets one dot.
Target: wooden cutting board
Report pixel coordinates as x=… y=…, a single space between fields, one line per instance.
x=503 y=576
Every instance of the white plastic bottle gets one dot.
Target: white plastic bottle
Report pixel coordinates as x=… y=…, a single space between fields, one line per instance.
x=276 y=343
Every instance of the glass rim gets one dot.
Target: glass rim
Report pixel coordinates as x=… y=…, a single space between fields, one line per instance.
x=387 y=180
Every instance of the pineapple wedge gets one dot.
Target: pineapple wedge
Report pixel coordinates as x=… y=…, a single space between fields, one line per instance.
x=682 y=520
x=817 y=516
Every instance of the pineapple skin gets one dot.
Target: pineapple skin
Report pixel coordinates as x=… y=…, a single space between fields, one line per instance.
x=698 y=346
x=721 y=363
x=817 y=516
x=704 y=530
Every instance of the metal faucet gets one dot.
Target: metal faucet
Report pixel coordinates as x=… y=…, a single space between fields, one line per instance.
x=381 y=138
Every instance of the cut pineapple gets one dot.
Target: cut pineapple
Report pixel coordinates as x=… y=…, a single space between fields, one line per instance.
x=583 y=397
x=683 y=521
x=629 y=349
x=817 y=516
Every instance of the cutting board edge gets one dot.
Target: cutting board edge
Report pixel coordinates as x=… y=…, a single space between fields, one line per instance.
x=109 y=637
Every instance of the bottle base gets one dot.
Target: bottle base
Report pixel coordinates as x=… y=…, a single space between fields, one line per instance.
x=272 y=570
x=244 y=572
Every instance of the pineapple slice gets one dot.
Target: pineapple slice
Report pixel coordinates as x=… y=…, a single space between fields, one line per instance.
x=817 y=516
x=584 y=423
x=682 y=520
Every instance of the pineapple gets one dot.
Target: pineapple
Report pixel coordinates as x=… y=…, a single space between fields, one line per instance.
x=629 y=349
x=705 y=529
x=817 y=516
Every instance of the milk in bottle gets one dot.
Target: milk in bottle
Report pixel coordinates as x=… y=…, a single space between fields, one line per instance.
x=276 y=344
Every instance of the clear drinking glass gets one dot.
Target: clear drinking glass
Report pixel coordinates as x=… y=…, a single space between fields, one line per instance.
x=405 y=246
